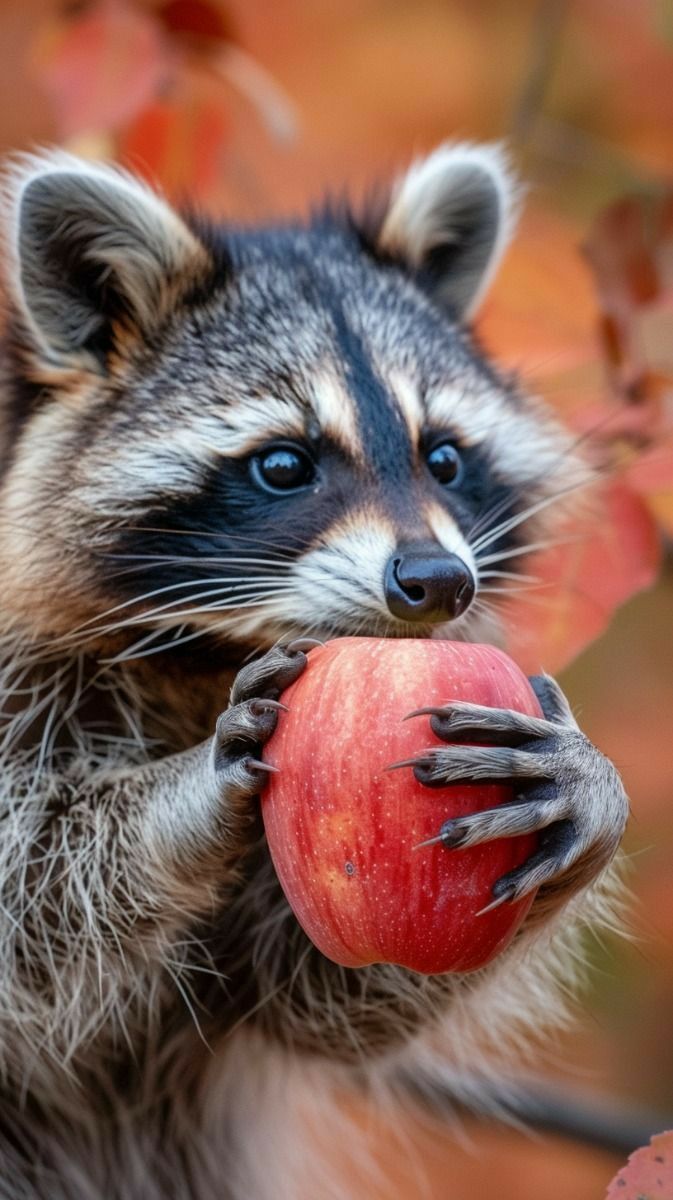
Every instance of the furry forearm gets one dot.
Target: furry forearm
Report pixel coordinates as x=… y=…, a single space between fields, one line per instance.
x=101 y=876
x=105 y=872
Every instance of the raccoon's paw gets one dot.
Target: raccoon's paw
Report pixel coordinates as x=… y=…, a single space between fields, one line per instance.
x=251 y=718
x=564 y=788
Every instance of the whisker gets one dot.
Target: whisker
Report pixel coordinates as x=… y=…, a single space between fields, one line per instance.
x=131 y=653
x=570 y=449
x=185 y=583
x=512 y=522
x=165 y=617
x=280 y=570
x=281 y=550
x=145 y=640
x=234 y=560
x=529 y=548
x=512 y=590
x=480 y=608
x=542 y=597
x=243 y=600
x=509 y=575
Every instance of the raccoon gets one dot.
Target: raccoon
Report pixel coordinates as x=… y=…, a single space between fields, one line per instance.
x=218 y=443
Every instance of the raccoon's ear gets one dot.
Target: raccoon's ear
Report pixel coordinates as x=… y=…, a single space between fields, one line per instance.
x=92 y=249
x=450 y=218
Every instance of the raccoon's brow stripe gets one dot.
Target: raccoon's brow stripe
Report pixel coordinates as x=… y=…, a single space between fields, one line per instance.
x=336 y=413
x=385 y=434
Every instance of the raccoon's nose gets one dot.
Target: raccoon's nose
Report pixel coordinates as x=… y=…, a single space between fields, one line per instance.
x=427 y=584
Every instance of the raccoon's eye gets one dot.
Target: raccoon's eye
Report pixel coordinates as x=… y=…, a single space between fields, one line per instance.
x=282 y=469
x=444 y=462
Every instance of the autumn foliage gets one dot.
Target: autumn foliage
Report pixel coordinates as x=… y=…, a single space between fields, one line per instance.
x=249 y=108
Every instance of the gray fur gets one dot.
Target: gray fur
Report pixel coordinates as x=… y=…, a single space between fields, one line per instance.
x=162 y=1015
x=79 y=233
x=462 y=199
x=566 y=783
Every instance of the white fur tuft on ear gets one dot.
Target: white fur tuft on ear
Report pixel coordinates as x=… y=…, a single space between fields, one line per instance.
x=86 y=245
x=450 y=217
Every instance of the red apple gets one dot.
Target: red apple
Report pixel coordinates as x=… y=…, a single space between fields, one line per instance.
x=343 y=831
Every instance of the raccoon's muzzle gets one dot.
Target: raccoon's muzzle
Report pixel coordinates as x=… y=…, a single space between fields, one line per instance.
x=422 y=582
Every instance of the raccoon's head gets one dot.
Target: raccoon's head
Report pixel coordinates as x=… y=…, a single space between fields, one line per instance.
x=260 y=433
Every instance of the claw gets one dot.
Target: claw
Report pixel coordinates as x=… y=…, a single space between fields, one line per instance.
x=433 y=841
x=405 y=762
x=494 y=904
x=302 y=645
x=261 y=705
x=258 y=765
x=450 y=837
x=426 y=712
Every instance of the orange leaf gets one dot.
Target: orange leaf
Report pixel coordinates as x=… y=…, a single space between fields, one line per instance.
x=614 y=552
x=648 y=1175
x=526 y=319
x=99 y=68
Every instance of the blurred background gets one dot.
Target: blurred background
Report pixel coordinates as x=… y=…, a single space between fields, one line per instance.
x=252 y=108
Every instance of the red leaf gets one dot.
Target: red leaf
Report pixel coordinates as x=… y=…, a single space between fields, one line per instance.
x=622 y=250
x=100 y=68
x=648 y=1175
x=630 y=249
x=198 y=21
x=614 y=552
x=179 y=142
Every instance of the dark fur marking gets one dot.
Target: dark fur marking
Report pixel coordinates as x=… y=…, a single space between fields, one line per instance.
x=22 y=399
x=229 y=502
x=385 y=435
